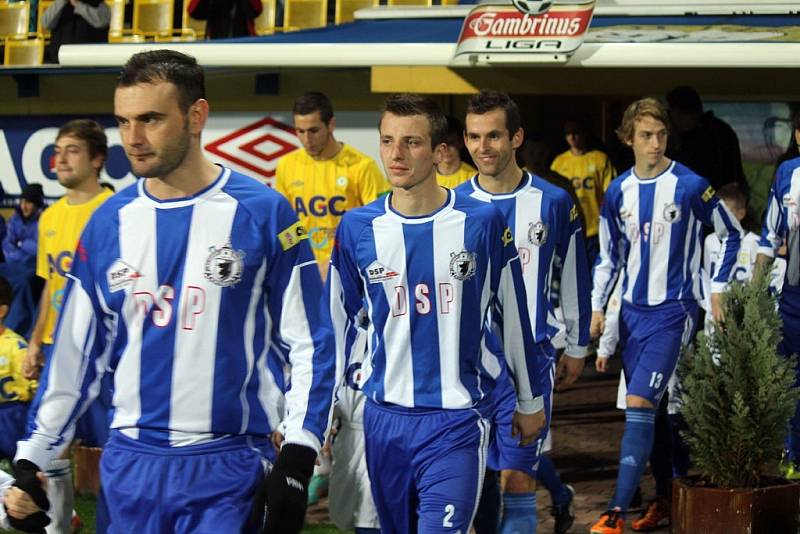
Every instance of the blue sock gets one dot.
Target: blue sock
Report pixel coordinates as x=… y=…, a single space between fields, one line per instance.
x=548 y=476
x=519 y=513
x=637 y=441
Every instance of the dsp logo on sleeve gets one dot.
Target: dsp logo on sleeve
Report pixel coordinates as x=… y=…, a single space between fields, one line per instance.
x=292 y=235
x=708 y=194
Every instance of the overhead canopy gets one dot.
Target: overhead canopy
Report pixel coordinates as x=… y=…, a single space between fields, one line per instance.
x=390 y=37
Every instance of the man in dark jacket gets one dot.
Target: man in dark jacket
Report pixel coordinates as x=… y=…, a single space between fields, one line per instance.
x=75 y=21
x=226 y=18
x=19 y=244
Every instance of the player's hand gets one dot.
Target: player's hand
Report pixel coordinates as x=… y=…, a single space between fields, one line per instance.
x=28 y=493
x=569 y=369
x=277 y=440
x=286 y=489
x=717 y=311
x=33 y=362
x=601 y=363
x=527 y=426
x=598 y=324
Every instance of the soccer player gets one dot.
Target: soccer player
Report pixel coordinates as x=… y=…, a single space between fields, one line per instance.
x=549 y=239
x=650 y=231
x=430 y=262
x=179 y=285
x=782 y=226
x=591 y=172
x=324 y=178
x=80 y=153
x=452 y=171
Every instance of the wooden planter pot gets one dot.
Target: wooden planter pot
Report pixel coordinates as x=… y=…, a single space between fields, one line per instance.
x=769 y=510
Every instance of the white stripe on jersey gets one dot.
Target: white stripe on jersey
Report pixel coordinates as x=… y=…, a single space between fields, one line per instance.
x=249 y=337
x=389 y=246
x=660 y=245
x=137 y=225
x=448 y=234
x=528 y=207
x=633 y=263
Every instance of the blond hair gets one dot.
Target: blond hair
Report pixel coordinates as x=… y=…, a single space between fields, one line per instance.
x=646 y=107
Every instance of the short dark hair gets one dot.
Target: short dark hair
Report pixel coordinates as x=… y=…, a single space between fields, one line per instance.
x=733 y=192
x=156 y=66
x=685 y=98
x=314 y=101
x=6 y=292
x=488 y=100
x=407 y=105
x=89 y=131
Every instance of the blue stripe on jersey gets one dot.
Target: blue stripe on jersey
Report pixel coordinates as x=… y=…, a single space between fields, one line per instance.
x=647 y=192
x=418 y=242
x=157 y=342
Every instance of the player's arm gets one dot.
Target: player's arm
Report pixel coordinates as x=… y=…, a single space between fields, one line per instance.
x=713 y=212
x=529 y=369
x=574 y=294
x=774 y=228
x=34 y=359
x=299 y=314
x=345 y=294
x=608 y=341
x=609 y=262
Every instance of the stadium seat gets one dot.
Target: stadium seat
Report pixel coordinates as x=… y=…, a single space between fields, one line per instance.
x=24 y=51
x=43 y=5
x=346 y=8
x=116 y=28
x=188 y=24
x=302 y=14
x=14 y=19
x=153 y=18
x=265 y=22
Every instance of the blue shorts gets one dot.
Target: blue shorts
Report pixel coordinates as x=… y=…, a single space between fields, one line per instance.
x=653 y=338
x=91 y=427
x=198 y=489
x=13 y=418
x=426 y=466
x=789 y=307
x=505 y=451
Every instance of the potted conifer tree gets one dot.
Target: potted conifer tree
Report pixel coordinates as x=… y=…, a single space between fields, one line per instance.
x=738 y=397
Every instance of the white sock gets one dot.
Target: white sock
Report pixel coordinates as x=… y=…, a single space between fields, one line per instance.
x=61 y=495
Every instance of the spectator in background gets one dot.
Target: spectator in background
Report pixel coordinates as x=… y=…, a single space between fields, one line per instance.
x=19 y=244
x=452 y=170
x=75 y=21
x=792 y=151
x=590 y=172
x=226 y=18
x=703 y=142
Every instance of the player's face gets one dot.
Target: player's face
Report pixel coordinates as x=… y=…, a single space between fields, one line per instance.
x=451 y=155
x=313 y=133
x=406 y=151
x=649 y=141
x=489 y=142
x=574 y=140
x=74 y=165
x=154 y=130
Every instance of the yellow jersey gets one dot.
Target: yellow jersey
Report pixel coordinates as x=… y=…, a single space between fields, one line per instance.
x=590 y=175
x=450 y=181
x=322 y=191
x=14 y=387
x=60 y=226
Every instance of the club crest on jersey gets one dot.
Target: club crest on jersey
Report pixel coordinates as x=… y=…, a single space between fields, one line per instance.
x=672 y=212
x=121 y=275
x=462 y=265
x=378 y=273
x=224 y=265
x=537 y=233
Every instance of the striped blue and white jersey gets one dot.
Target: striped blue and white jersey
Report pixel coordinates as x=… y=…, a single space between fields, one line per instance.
x=429 y=283
x=548 y=235
x=651 y=231
x=182 y=300
x=782 y=221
